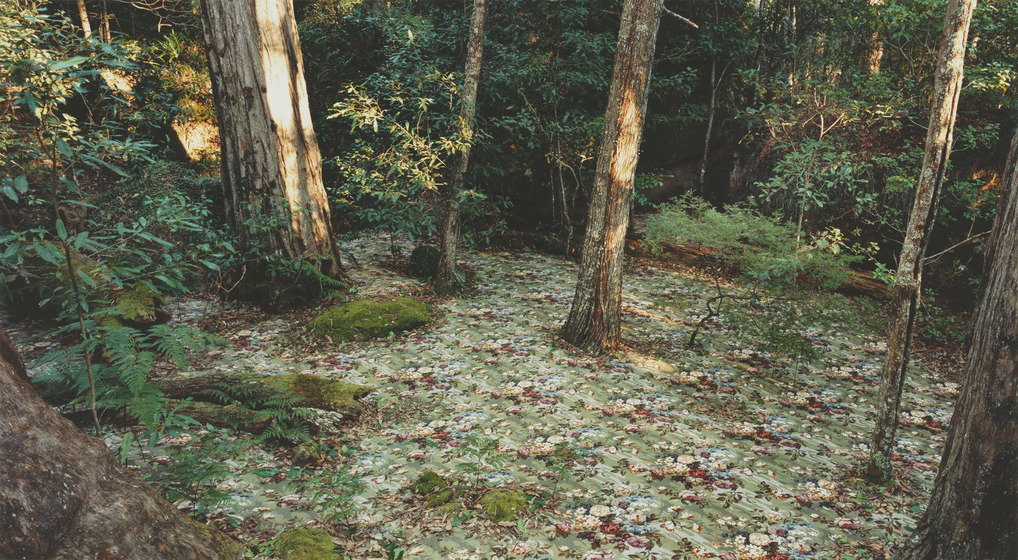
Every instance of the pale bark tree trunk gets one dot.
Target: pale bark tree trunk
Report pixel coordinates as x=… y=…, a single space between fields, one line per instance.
x=64 y=496
x=446 y=278
x=86 y=27
x=973 y=512
x=875 y=44
x=595 y=317
x=271 y=165
x=908 y=279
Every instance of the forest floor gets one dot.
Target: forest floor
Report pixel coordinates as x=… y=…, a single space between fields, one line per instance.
x=731 y=452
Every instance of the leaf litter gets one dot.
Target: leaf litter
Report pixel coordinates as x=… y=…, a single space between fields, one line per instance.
x=730 y=452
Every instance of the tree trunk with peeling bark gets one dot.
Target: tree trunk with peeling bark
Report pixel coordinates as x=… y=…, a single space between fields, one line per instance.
x=446 y=278
x=595 y=316
x=908 y=279
x=973 y=512
x=271 y=166
x=64 y=495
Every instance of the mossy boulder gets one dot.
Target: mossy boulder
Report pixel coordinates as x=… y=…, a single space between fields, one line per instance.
x=423 y=262
x=306 y=454
x=139 y=307
x=441 y=498
x=370 y=318
x=503 y=505
x=428 y=482
x=306 y=544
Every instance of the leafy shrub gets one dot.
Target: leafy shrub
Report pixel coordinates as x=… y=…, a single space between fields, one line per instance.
x=772 y=258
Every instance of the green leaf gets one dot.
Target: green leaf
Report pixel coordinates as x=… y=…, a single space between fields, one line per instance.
x=11 y=194
x=125 y=446
x=64 y=148
x=67 y=63
x=61 y=230
x=21 y=184
x=86 y=278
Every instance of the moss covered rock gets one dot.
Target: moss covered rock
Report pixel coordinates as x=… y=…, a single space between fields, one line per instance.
x=368 y=318
x=428 y=482
x=138 y=307
x=441 y=498
x=306 y=544
x=503 y=505
x=306 y=454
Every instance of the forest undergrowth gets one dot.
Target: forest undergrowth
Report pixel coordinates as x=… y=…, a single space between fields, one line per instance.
x=745 y=447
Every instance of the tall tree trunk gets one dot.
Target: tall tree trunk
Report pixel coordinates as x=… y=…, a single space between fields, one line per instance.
x=64 y=496
x=711 y=109
x=446 y=279
x=908 y=279
x=973 y=512
x=594 y=321
x=875 y=44
x=86 y=27
x=271 y=165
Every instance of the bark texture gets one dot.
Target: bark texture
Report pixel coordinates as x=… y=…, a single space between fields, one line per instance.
x=86 y=27
x=446 y=279
x=908 y=279
x=595 y=317
x=875 y=43
x=271 y=165
x=64 y=496
x=973 y=512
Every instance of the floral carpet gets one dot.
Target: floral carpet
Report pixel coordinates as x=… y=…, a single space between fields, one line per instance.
x=731 y=452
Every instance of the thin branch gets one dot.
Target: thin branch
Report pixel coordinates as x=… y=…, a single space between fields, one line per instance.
x=684 y=19
x=933 y=258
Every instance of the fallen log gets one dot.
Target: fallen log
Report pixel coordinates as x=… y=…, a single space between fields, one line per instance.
x=315 y=391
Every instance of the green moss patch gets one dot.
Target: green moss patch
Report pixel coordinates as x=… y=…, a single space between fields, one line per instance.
x=441 y=498
x=503 y=505
x=138 y=307
x=320 y=392
x=141 y=305
x=428 y=483
x=306 y=544
x=367 y=319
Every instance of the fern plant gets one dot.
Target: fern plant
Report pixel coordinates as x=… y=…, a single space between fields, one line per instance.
x=287 y=422
x=332 y=492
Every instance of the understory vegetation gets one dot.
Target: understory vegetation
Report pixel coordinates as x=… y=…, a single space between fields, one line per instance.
x=776 y=176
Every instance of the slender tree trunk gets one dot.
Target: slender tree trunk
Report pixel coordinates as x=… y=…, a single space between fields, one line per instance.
x=271 y=165
x=64 y=496
x=908 y=279
x=594 y=321
x=710 y=126
x=104 y=22
x=875 y=44
x=973 y=512
x=86 y=27
x=445 y=279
